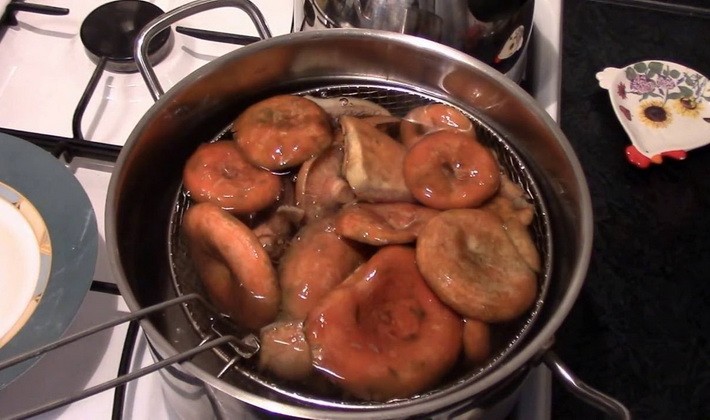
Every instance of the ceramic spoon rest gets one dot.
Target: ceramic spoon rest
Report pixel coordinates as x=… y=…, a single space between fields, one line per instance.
x=664 y=108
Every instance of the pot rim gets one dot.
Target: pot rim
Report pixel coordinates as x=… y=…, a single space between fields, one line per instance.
x=528 y=352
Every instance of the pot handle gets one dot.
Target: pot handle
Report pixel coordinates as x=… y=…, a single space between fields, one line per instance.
x=163 y=21
x=583 y=391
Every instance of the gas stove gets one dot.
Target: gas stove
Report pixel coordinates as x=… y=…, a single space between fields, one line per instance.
x=53 y=93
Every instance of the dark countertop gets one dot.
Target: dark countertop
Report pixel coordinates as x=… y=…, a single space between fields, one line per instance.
x=640 y=330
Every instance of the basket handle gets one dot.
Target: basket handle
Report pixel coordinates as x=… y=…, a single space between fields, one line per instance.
x=163 y=21
x=591 y=396
x=246 y=344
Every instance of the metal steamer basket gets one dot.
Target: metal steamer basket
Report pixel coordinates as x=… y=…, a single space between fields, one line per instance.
x=398 y=72
x=210 y=325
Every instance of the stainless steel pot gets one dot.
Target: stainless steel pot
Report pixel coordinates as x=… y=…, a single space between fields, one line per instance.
x=494 y=31
x=147 y=179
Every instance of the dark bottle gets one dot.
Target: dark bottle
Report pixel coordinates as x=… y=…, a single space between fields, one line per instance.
x=502 y=31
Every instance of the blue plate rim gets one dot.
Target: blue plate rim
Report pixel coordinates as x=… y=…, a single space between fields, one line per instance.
x=71 y=221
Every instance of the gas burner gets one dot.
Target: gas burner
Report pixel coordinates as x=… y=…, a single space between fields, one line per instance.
x=108 y=34
x=109 y=31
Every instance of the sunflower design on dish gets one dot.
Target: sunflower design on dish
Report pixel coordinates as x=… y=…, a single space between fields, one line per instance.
x=662 y=106
x=688 y=107
x=655 y=113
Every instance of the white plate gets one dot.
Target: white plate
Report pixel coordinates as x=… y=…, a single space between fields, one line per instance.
x=25 y=261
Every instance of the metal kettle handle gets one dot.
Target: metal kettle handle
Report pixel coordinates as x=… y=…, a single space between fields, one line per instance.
x=163 y=21
x=591 y=396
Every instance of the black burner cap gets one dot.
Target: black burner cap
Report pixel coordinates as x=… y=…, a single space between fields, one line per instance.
x=110 y=30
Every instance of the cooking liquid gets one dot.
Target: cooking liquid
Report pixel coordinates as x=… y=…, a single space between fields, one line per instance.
x=504 y=336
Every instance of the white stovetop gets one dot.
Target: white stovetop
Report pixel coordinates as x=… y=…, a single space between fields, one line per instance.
x=37 y=100
x=31 y=101
x=44 y=101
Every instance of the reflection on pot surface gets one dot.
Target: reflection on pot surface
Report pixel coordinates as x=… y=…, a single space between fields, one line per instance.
x=496 y=32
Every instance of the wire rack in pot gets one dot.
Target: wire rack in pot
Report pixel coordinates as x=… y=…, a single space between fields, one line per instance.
x=210 y=325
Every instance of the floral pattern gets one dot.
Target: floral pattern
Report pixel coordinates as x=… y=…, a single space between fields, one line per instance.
x=661 y=90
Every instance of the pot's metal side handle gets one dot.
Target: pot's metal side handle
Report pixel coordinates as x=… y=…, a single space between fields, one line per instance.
x=157 y=25
x=590 y=395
